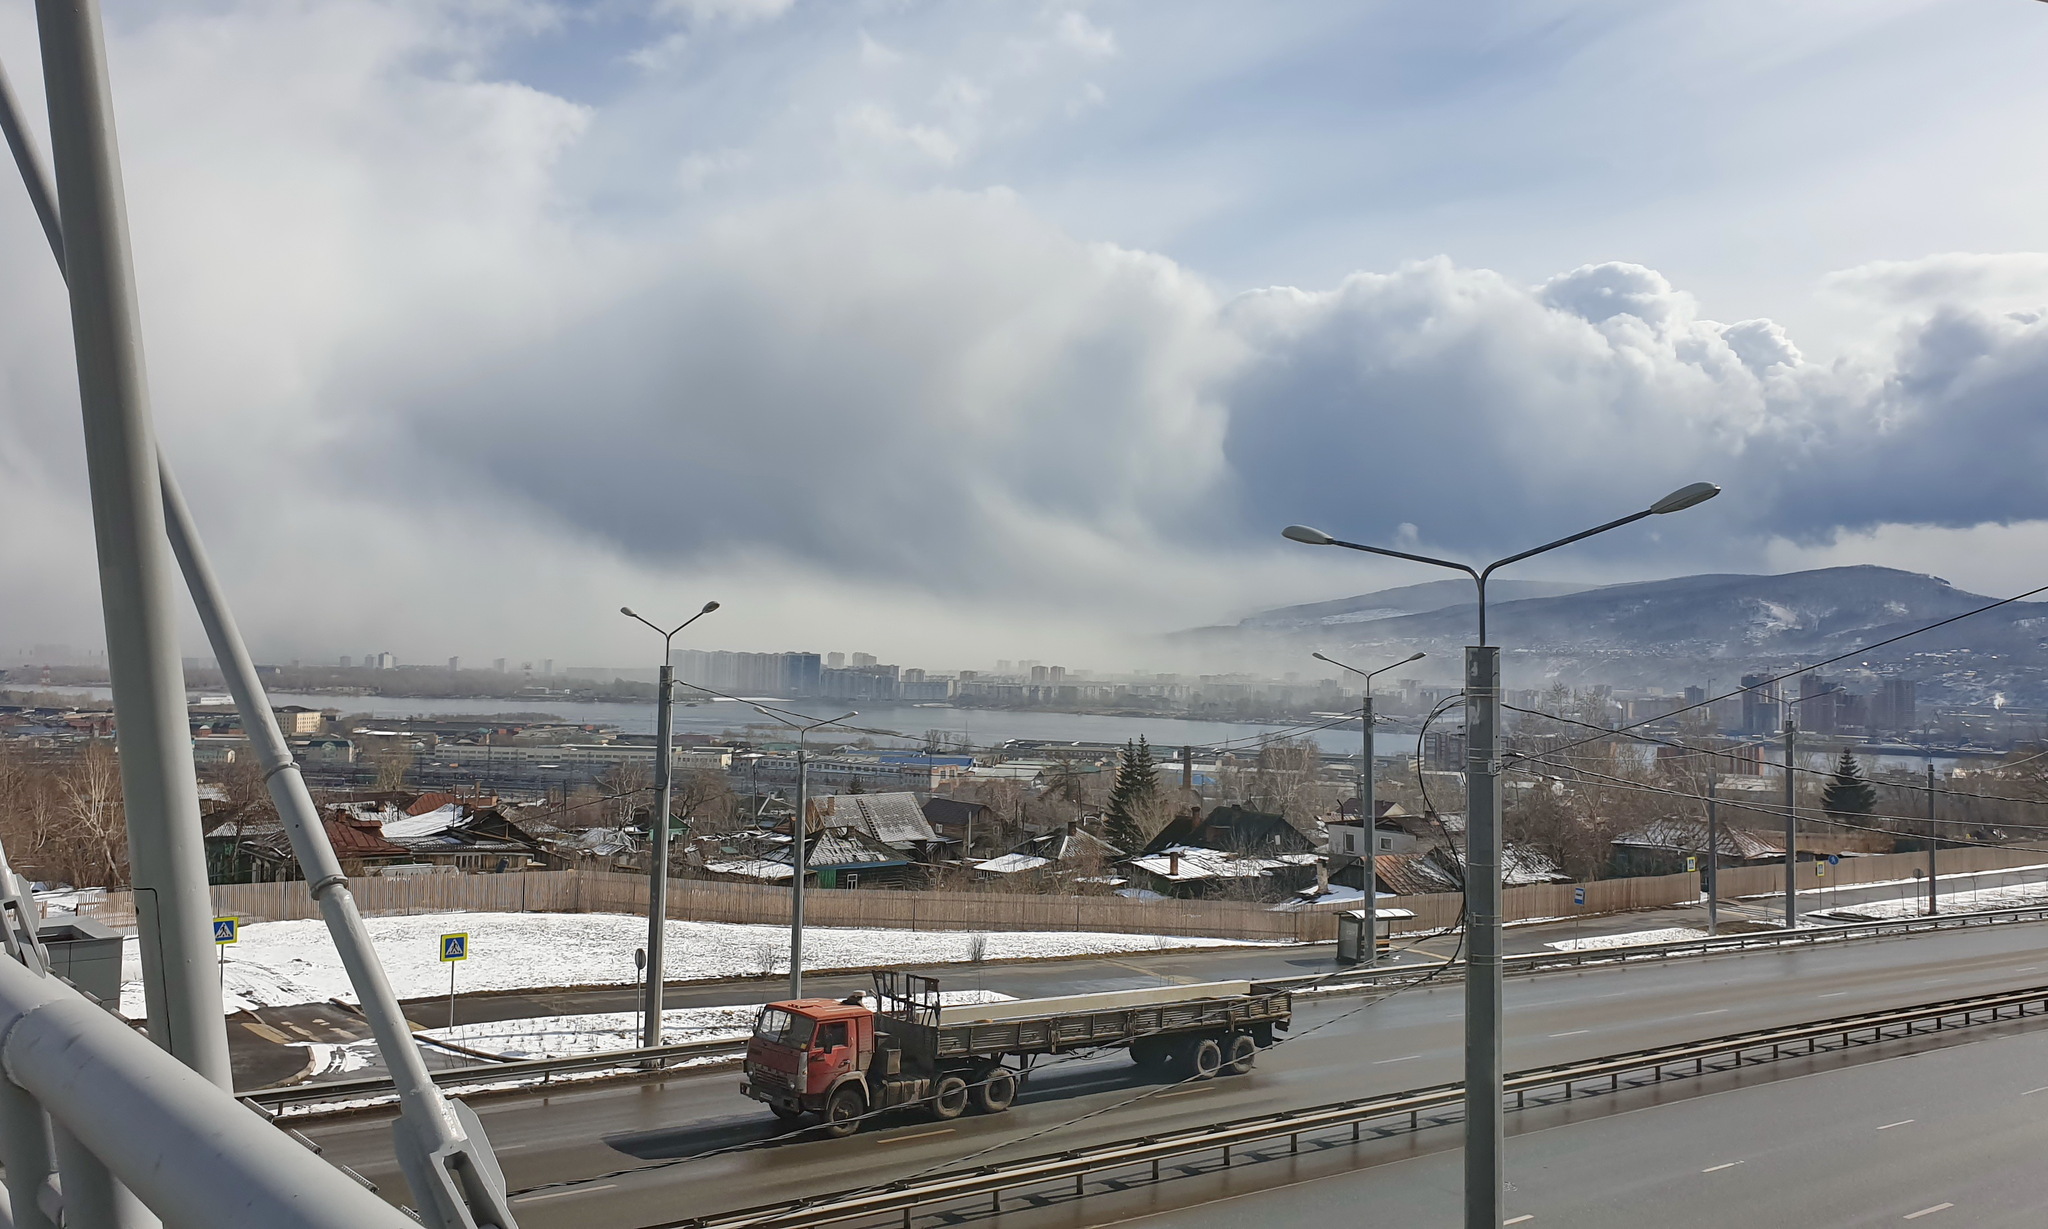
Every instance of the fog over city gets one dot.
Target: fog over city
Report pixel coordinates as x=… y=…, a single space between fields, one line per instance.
x=1021 y=329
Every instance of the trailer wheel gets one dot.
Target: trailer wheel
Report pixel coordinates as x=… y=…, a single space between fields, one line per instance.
x=949 y=1098
x=994 y=1094
x=1243 y=1052
x=1206 y=1059
x=844 y=1111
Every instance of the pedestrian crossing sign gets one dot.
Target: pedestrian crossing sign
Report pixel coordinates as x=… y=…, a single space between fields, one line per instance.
x=455 y=947
x=226 y=930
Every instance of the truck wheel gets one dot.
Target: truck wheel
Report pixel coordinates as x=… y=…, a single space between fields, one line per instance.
x=994 y=1094
x=845 y=1110
x=1243 y=1052
x=949 y=1098
x=1206 y=1059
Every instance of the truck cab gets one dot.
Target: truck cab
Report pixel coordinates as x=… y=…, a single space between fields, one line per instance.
x=804 y=1050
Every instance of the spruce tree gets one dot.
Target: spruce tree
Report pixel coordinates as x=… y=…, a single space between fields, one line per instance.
x=1136 y=782
x=1847 y=794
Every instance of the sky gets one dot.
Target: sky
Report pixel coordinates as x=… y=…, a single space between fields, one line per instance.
x=960 y=332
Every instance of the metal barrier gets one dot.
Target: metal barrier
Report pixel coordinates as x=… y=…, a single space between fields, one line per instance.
x=1111 y=1165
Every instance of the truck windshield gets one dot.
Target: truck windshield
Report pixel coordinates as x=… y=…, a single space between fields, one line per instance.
x=784 y=1027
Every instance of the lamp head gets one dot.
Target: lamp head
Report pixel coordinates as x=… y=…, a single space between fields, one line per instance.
x=1303 y=533
x=1320 y=657
x=708 y=608
x=1414 y=657
x=1685 y=497
x=628 y=612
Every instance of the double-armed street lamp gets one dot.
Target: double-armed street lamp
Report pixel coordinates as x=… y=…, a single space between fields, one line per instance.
x=1366 y=803
x=657 y=854
x=1482 y=856
x=799 y=828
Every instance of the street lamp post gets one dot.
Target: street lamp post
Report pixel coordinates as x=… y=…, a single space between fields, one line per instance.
x=799 y=830
x=1482 y=857
x=657 y=830
x=1365 y=803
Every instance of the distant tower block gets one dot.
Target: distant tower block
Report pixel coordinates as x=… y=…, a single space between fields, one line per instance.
x=454 y=664
x=347 y=661
x=498 y=664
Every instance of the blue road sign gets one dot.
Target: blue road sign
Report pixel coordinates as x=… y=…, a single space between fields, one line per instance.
x=455 y=947
x=226 y=930
x=1578 y=896
x=1834 y=858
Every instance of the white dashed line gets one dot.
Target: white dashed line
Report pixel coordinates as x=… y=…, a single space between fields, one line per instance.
x=1715 y=1012
x=1575 y=1032
x=1924 y=1211
x=1889 y=1125
x=1714 y=1169
x=2031 y=1091
x=1404 y=1058
x=1832 y=994
x=1517 y=1220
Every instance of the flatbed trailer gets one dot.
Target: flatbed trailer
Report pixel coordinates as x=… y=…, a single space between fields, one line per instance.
x=842 y=1061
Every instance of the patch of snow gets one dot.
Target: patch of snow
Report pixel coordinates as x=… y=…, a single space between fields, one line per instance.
x=2014 y=896
x=1637 y=938
x=281 y=963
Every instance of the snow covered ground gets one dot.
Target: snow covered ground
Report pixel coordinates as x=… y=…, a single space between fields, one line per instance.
x=2015 y=896
x=280 y=963
x=1634 y=938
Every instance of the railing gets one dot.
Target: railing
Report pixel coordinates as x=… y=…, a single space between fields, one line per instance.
x=307 y=1100
x=1115 y=1166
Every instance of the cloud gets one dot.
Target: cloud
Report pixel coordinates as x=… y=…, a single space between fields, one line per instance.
x=452 y=363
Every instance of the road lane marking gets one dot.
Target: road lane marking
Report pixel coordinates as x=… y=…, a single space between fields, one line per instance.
x=1178 y=1092
x=583 y=1190
x=1832 y=994
x=1381 y=1062
x=1575 y=1032
x=2026 y=968
x=2031 y=1091
x=1715 y=1012
x=1924 y=1211
x=1889 y=1125
x=899 y=1139
x=1516 y=1220
x=1713 y=1169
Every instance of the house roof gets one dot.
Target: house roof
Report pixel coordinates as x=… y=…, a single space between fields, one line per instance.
x=894 y=819
x=1197 y=862
x=358 y=838
x=958 y=811
x=1412 y=874
x=1680 y=835
x=1232 y=827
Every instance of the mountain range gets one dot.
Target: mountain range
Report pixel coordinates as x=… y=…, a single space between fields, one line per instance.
x=1680 y=630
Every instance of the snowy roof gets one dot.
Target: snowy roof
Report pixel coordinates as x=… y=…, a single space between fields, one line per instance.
x=1195 y=862
x=893 y=819
x=751 y=868
x=1690 y=836
x=1011 y=863
x=431 y=823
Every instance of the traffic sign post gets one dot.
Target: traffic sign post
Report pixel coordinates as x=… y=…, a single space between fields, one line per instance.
x=226 y=930
x=454 y=950
x=1578 y=899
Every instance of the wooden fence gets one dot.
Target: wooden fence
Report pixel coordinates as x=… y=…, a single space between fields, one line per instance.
x=578 y=891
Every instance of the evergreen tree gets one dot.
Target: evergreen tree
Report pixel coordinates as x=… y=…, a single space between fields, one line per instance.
x=1847 y=794
x=1136 y=783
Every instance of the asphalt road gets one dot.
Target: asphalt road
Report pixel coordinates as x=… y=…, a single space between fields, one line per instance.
x=1340 y=1048
x=1950 y=1137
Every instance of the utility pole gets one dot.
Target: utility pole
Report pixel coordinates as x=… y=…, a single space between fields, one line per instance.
x=1365 y=820
x=1791 y=828
x=799 y=862
x=1483 y=1126
x=1713 y=859
x=657 y=855
x=1933 y=840
x=657 y=827
x=166 y=853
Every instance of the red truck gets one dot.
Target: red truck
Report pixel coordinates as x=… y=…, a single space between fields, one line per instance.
x=840 y=1060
